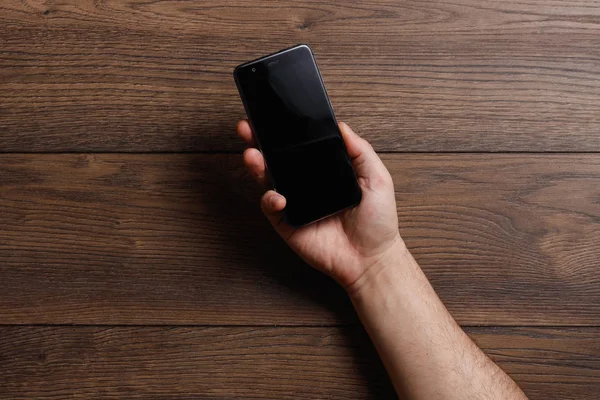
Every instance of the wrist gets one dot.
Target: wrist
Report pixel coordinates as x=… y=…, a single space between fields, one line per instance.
x=392 y=267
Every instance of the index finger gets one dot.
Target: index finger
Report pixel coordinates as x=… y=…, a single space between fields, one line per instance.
x=244 y=131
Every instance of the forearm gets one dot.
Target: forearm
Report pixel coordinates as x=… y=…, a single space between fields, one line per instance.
x=426 y=353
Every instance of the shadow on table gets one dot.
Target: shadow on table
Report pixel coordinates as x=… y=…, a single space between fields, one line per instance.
x=233 y=203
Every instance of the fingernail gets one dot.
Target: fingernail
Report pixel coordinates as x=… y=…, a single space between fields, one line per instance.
x=274 y=200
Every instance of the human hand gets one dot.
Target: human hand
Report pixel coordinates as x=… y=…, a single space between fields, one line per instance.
x=350 y=243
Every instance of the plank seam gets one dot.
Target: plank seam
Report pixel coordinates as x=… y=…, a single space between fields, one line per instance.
x=238 y=152
x=313 y=326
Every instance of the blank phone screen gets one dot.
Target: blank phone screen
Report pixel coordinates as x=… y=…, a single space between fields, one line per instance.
x=298 y=135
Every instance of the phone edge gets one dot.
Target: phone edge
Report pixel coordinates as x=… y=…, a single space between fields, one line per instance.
x=237 y=83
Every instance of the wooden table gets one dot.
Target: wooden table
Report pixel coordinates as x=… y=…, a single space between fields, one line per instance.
x=135 y=263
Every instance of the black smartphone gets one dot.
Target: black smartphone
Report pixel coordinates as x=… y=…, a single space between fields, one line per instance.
x=294 y=125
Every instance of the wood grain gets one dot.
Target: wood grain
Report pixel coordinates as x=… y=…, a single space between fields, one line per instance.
x=264 y=363
x=464 y=75
x=179 y=239
x=144 y=241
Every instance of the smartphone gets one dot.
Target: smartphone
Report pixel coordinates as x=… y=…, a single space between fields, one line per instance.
x=295 y=128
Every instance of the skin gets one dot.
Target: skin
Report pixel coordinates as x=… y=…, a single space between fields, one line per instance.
x=426 y=353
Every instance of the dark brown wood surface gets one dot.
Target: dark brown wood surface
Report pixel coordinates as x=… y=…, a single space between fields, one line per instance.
x=153 y=275
x=147 y=239
x=265 y=362
x=463 y=75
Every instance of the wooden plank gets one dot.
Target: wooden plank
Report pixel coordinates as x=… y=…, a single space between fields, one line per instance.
x=467 y=75
x=547 y=363
x=265 y=363
x=179 y=239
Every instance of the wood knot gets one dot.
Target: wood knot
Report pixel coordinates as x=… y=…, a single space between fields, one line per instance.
x=306 y=25
x=41 y=358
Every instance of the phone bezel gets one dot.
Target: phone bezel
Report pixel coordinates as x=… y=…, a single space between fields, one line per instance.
x=279 y=59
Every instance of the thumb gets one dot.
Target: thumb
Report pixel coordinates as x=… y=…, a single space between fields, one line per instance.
x=366 y=162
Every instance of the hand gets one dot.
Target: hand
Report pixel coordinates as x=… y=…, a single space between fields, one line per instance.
x=348 y=244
